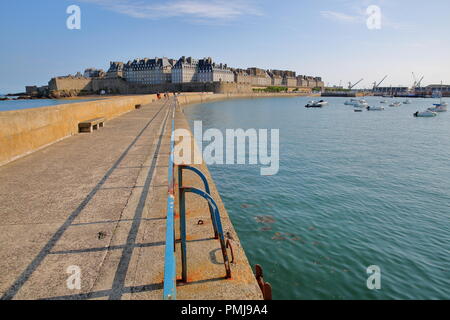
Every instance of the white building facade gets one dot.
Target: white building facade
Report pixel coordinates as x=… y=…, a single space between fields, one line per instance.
x=149 y=71
x=208 y=71
x=185 y=70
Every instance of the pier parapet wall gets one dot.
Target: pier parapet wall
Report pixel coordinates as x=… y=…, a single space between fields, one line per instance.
x=28 y=130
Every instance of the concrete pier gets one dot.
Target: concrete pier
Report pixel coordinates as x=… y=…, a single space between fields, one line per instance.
x=96 y=203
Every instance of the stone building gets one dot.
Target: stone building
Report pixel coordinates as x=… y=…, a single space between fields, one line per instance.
x=302 y=82
x=115 y=70
x=259 y=77
x=320 y=83
x=31 y=90
x=310 y=82
x=288 y=78
x=241 y=76
x=161 y=73
x=94 y=73
x=208 y=71
x=185 y=70
x=149 y=71
x=289 y=82
x=277 y=80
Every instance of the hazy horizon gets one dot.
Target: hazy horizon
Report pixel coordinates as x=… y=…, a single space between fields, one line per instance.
x=330 y=39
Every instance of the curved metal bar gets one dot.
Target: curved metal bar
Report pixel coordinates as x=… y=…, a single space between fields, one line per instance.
x=218 y=223
x=200 y=174
x=231 y=249
x=207 y=189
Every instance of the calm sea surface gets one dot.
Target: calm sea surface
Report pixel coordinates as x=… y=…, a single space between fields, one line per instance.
x=353 y=190
x=35 y=103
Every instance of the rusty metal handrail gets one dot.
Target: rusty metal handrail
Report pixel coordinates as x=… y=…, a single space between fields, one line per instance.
x=206 y=185
x=216 y=223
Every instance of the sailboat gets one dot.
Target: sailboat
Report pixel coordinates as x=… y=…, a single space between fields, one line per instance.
x=442 y=105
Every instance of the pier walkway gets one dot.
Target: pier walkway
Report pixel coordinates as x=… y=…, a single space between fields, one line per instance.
x=96 y=203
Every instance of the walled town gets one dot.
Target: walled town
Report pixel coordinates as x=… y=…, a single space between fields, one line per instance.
x=144 y=76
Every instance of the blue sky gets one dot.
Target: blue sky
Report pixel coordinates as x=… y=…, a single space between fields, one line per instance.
x=325 y=38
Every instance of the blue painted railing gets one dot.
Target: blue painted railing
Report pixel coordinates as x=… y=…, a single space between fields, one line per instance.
x=170 y=289
x=170 y=268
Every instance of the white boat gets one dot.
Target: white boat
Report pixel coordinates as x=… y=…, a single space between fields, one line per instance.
x=377 y=108
x=438 y=108
x=361 y=104
x=395 y=104
x=356 y=102
x=407 y=101
x=316 y=104
x=350 y=102
x=383 y=101
x=425 y=114
x=441 y=104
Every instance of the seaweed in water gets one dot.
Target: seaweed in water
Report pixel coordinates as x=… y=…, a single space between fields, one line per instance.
x=265 y=219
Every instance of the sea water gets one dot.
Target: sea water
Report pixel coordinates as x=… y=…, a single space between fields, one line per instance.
x=353 y=190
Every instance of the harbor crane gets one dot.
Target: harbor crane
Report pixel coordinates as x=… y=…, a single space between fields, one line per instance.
x=416 y=83
x=351 y=86
x=420 y=82
x=376 y=85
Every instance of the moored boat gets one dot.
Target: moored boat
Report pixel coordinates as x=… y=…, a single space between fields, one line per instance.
x=376 y=108
x=361 y=104
x=438 y=108
x=316 y=104
x=356 y=102
x=425 y=114
x=350 y=102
